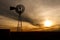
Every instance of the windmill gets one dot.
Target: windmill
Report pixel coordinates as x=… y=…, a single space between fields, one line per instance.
x=18 y=9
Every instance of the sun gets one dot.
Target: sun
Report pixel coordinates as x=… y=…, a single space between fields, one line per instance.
x=48 y=23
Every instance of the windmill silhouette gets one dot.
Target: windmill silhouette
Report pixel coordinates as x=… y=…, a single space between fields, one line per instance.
x=19 y=9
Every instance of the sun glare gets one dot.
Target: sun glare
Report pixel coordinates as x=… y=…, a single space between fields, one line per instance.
x=48 y=23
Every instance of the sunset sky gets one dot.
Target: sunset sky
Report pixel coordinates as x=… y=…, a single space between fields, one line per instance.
x=36 y=11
